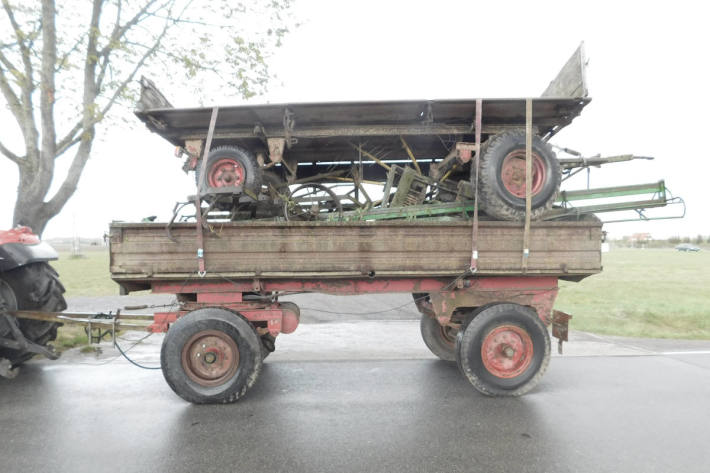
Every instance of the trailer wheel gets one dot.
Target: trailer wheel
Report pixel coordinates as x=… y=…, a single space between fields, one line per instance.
x=230 y=166
x=440 y=339
x=504 y=351
x=211 y=356
x=268 y=345
x=311 y=202
x=35 y=286
x=502 y=176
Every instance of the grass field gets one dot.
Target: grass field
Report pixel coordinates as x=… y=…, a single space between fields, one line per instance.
x=87 y=275
x=660 y=293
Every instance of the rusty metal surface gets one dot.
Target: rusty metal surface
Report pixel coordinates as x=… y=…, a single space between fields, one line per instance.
x=537 y=292
x=328 y=119
x=346 y=250
x=328 y=131
x=560 y=328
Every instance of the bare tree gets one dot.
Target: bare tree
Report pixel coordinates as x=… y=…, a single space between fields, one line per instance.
x=80 y=59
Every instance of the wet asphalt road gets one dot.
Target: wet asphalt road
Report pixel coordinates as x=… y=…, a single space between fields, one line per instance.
x=589 y=414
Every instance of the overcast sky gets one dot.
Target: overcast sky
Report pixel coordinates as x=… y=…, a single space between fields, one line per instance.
x=648 y=76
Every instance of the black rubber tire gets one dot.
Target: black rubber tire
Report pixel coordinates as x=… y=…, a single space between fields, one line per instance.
x=268 y=345
x=470 y=341
x=253 y=174
x=35 y=286
x=227 y=322
x=496 y=201
x=440 y=340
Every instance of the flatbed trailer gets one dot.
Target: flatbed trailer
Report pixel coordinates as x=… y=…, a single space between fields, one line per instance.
x=247 y=158
x=485 y=287
x=492 y=318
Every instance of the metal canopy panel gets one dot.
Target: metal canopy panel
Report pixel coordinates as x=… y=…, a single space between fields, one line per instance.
x=331 y=119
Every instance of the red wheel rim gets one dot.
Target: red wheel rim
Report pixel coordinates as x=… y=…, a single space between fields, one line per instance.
x=226 y=172
x=507 y=351
x=210 y=357
x=512 y=173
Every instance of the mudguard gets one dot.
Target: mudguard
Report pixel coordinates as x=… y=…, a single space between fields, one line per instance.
x=14 y=255
x=19 y=247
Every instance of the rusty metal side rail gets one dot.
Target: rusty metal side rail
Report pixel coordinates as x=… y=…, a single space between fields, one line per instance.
x=139 y=322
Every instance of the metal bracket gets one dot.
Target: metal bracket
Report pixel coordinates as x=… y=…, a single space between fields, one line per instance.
x=560 y=328
x=429 y=116
x=289 y=122
x=465 y=151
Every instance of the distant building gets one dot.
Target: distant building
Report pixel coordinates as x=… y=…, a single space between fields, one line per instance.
x=640 y=240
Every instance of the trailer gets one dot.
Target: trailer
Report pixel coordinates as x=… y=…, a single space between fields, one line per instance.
x=492 y=320
x=275 y=160
x=468 y=219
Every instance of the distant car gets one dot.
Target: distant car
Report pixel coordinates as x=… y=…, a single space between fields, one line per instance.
x=687 y=247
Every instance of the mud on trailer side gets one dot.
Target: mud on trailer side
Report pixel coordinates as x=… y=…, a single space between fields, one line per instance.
x=493 y=322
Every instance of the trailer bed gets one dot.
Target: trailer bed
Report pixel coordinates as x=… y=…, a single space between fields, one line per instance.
x=142 y=253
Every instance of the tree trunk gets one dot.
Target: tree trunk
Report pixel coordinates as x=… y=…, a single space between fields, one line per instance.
x=27 y=214
x=30 y=208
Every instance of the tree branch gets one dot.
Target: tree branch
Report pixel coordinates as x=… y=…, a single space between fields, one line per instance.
x=68 y=187
x=12 y=99
x=10 y=155
x=24 y=50
x=61 y=63
x=69 y=140
x=47 y=89
x=26 y=118
x=118 y=32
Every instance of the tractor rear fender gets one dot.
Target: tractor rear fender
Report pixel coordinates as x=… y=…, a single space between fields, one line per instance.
x=13 y=255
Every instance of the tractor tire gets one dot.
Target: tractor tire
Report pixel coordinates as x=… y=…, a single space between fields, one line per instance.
x=230 y=166
x=211 y=356
x=504 y=350
x=502 y=176
x=440 y=340
x=35 y=286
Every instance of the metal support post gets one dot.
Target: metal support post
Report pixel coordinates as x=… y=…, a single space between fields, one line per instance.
x=528 y=182
x=475 y=164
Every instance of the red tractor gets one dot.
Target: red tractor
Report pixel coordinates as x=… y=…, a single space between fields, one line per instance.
x=27 y=282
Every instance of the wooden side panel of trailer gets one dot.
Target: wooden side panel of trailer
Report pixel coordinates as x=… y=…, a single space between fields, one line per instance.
x=143 y=252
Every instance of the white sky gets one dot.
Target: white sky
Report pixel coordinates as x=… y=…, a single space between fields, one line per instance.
x=647 y=75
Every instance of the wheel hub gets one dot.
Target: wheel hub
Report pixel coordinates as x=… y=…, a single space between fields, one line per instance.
x=226 y=173
x=513 y=173
x=210 y=357
x=507 y=351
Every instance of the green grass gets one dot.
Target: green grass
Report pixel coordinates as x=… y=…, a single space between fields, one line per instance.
x=659 y=293
x=87 y=275
x=70 y=336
